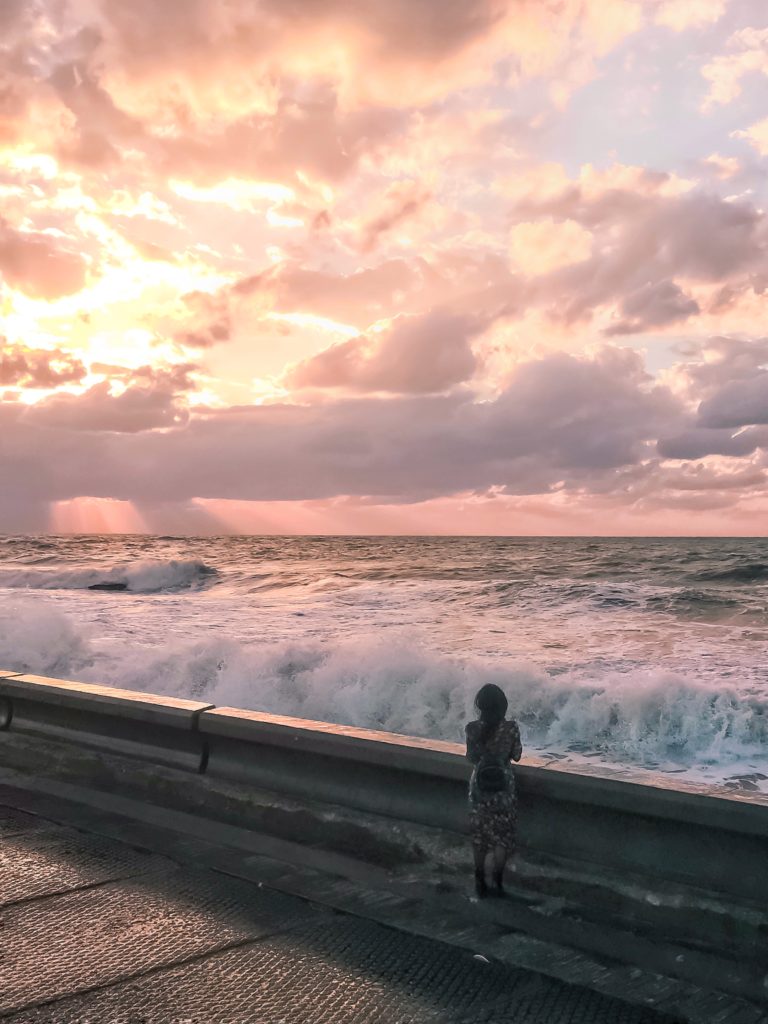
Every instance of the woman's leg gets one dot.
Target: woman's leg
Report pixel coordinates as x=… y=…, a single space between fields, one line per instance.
x=500 y=854
x=480 y=886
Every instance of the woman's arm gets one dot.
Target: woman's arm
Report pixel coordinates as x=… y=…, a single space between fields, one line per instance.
x=474 y=749
x=516 y=747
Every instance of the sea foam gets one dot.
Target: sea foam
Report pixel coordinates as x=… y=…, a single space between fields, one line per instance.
x=649 y=717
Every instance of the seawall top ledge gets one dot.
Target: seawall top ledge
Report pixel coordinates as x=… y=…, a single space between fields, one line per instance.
x=643 y=792
x=132 y=704
x=369 y=746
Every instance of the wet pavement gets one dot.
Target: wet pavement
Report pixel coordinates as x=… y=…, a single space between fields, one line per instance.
x=93 y=929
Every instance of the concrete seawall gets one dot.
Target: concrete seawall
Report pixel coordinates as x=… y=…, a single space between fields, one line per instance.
x=635 y=852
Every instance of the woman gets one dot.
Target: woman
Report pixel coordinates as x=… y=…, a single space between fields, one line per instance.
x=492 y=741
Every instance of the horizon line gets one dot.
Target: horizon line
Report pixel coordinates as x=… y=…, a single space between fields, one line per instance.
x=379 y=536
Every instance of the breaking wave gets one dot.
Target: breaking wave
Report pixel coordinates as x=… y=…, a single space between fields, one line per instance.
x=143 y=577
x=649 y=717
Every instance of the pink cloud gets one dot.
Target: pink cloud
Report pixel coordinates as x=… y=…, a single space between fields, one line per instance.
x=653 y=305
x=746 y=53
x=429 y=201
x=560 y=421
x=36 y=265
x=682 y=14
x=412 y=355
x=698 y=442
x=719 y=360
x=737 y=403
x=563 y=425
x=455 y=280
x=402 y=201
x=38 y=368
x=642 y=243
x=139 y=407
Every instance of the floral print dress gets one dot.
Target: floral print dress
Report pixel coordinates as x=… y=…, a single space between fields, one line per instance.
x=493 y=816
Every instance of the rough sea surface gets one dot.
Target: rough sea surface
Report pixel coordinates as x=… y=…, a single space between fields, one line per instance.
x=650 y=653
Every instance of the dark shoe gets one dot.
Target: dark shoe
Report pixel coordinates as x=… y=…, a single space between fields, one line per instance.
x=481 y=889
x=498 y=882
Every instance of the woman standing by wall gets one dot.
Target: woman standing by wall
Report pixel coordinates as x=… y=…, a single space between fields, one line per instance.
x=492 y=742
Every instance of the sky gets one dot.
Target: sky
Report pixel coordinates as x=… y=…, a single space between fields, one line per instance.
x=390 y=266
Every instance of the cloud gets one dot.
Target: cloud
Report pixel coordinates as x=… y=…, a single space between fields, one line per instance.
x=537 y=247
x=717 y=361
x=680 y=15
x=15 y=96
x=699 y=477
x=746 y=53
x=723 y=167
x=137 y=408
x=653 y=305
x=757 y=135
x=146 y=39
x=241 y=181
x=642 y=243
x=206 y=319
x=284 y=91
x=11 y=13
x=213 y=59
x=401 y=201
x=561 y=421
x=276 y=92
x=38 y=368
x=359 y=298
x=175 y=377
x=698 y=442
x=96 y=122
x=737 y=404
x=590 y=413
x=454 y=280
x=199 y=94
x=698 y=235
x=412 y=355
x=546 y=189
x=727 y=385
x=36 y=265
x=310 y=137
x=625 y=238
x=207 y=335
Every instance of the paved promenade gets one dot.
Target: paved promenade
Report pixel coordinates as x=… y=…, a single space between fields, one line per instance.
x=97 y=930
x=109 y=921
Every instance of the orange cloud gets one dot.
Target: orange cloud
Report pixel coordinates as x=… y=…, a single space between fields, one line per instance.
x=408 y=355
x=38 y=368
x=746 y=53
x=683 y=14
x=36 y=265
x=757 y=135
x=536 y=247
x=390 y=206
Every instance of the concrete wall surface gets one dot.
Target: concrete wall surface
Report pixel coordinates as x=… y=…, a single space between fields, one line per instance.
x=625 y=821
x=632 y=824
x=141 y=725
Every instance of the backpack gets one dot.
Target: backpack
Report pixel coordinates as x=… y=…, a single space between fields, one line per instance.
x=491 y=776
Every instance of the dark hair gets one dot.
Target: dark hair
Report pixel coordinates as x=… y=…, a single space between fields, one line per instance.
x=491 y=704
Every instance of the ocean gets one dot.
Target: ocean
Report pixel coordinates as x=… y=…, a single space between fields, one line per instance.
x=647 y=653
